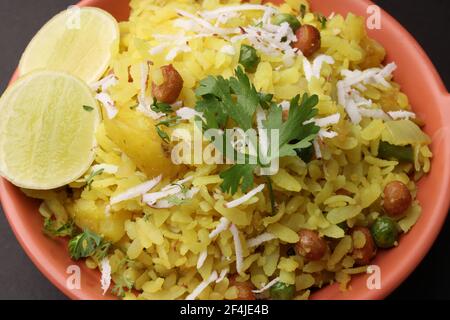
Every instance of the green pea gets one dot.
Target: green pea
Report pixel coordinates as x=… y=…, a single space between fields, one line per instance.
x=289 y=18
x=248 y=58
x=282 y=291
x=384 y=232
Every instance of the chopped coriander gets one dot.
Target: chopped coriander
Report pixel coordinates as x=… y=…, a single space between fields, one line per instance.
x=118 y=290
x=271 y=194
x=214 y=114
x=265 y=100
x=235 y=175
x=84 y=245
x=237 y=98
x=163 y=135
x=169 y=122
x=302 y=10
x=249 y=58
x=121 y=286
x=88 y=108
x=323 y=21
x=102 y=250
x=161 y=107
x=291 y=130
x=222 y=98
x=91 y=177
x=65 y=230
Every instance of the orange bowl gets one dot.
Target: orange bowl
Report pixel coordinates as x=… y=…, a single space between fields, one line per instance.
x=430 y=100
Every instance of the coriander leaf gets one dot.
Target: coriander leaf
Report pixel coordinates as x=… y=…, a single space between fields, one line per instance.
x=265 y=100
x=302 y=10
x=235 y=175
x=102 y=250
x=163 y=135
x=161 y=107
x=249 y=58
x=323 y=21
x=291 y=149
x=91 y=177
x=217 y=91
x=168 y=122
x=64 y=230
x=294 y=127
x=274 y=118
x=84 y=244
x=215 y=86
x=88 y=108
x=122 y=285
x=118 y=291
x=214 y=114
x=247 y=99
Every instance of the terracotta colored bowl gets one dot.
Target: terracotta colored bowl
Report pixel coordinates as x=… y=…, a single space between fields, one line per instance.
x=430 y=101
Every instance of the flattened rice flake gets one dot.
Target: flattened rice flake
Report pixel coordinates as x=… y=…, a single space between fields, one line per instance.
x=163 y=249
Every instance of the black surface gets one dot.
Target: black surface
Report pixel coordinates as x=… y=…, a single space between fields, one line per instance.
x=20 y=19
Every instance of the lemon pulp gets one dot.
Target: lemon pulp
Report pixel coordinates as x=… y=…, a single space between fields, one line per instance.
x=80 y=41
x=47 y=124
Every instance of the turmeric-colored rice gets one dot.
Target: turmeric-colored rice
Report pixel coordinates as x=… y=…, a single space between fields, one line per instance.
x=156 y=250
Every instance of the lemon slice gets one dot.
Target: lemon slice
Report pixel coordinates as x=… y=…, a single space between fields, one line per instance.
x=48 y=121
x=80 y=41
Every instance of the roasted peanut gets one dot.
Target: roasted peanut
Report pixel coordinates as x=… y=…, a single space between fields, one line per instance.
x=170 y=89
x=308 y=40
x=364 y=254
x=244 y=289
x=397 y=198
x=311 y=245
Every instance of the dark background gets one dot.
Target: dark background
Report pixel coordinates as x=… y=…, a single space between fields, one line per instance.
x=20 y=19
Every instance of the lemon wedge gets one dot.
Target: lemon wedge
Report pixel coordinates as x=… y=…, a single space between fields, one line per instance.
x=47 y=130
x=80 y=41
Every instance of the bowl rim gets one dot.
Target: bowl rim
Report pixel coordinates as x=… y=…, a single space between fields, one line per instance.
x=413 y=260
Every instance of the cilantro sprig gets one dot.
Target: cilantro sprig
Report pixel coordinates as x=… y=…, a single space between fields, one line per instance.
x=236 y=99
x=294 y=133
x=161 y=107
